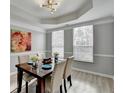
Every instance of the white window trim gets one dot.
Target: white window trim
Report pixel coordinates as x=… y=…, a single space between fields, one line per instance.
x=81 y=45
x=58 y=45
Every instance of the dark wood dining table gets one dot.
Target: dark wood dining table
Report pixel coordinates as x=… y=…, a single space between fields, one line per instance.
x=37 y=72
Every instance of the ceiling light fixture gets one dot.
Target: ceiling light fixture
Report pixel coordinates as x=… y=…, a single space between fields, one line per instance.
x=51 y=5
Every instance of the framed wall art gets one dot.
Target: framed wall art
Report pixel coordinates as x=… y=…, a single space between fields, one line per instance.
x=20 y=41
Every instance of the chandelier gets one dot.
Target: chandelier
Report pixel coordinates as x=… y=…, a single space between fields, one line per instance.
x=51 y=5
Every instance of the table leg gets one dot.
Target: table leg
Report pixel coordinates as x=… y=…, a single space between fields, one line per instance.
x=41 y=85
x=19 y=80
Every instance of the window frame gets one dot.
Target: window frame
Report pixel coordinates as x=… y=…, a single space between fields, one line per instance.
x=61 y=46
x=82 y=45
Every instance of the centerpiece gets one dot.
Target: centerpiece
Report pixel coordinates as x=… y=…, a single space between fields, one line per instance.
x=34 y=59
x=56 y=55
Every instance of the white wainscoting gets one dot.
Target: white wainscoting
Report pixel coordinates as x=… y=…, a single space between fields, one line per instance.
x=27 y=53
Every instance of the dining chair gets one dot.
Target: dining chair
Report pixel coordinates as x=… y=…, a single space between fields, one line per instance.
x=67 y=72
x=26 y=77
x=54 y=82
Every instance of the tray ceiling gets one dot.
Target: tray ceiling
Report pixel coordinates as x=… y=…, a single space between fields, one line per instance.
x=69 y=12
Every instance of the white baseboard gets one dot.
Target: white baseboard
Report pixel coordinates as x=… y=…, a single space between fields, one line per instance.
x=13 y=73
x=95 y=73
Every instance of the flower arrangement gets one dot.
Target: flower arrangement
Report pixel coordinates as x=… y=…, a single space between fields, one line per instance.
x=56 y=53
x=34 y=58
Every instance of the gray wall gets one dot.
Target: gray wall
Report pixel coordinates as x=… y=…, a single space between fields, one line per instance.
x=103 y=49
x=48 y=44
x=68 y=42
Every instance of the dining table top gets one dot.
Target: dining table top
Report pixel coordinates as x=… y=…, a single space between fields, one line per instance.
x=37 y=72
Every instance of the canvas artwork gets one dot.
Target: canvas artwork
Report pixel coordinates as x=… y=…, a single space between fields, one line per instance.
x=20 y=41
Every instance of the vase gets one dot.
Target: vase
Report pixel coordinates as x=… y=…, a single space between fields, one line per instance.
x=56 y=59
x=34 y=64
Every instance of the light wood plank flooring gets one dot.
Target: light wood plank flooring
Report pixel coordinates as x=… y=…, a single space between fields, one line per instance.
x=84 y=83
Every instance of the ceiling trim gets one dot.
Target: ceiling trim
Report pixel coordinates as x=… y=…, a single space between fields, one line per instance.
x=24 y=15
x=24 y=26
x=91 y=22
x=22 y=9
x=71 y=16
x=86 y=6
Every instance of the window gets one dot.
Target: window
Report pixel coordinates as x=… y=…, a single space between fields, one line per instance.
x=83 y=43
x=58 y=43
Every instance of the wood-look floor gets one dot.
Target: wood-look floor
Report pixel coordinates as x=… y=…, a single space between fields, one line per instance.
x=85 y=83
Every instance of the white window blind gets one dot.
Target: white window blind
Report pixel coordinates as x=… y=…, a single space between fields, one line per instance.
x=83 y=43
x=58 y=43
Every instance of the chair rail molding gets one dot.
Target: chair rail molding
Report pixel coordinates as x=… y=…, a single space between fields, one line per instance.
x=104 y=55
x=25 y=53
x=98 y=54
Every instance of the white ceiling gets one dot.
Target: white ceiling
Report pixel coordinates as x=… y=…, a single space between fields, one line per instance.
x=33 y=7
x=29 y=11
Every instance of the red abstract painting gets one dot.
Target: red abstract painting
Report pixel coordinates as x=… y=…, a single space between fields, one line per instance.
x=20 y=41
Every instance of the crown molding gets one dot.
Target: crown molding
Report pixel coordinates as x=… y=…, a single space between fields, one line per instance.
x=71 y=16
x=20 y=11
x=24 y=26
x=108 y=19
x=20 y=14
x=15 y=6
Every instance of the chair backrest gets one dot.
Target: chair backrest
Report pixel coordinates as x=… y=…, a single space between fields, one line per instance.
x=68 y=65
x=57 y=76
x=23 y=59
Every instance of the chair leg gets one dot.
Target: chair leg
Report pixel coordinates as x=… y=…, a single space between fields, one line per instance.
x=70 y=80
x=60 y=88
x=26 y=87
x=36 y=88
x=65 y=85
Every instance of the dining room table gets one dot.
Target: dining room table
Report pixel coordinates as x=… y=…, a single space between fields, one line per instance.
x=37 y=72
